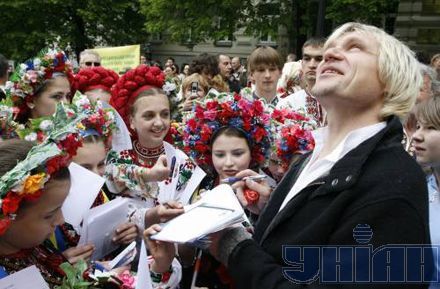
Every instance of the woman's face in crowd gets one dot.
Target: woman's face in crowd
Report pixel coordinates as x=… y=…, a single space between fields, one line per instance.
x=426 y=143
x=230 y=155
x=186 y=70
x=92 y=156
x=151 y=119
x=36 y=221
x=56 y=91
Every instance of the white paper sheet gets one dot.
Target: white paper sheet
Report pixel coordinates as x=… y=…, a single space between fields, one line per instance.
x=100 y=223
x=121 y=137
x=143 y=272
x=29 y=278
x=85 y=186
x=216 y=210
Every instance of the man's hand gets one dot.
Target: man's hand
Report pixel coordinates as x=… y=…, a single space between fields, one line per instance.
x=260 y=187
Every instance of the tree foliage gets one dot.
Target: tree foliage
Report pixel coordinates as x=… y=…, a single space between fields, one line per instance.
x=27 y=26
x=199 y=21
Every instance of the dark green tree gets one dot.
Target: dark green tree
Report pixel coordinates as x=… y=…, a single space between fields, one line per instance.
x=27 y=26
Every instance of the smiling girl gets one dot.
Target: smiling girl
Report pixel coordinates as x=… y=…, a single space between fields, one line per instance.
x=39 y=84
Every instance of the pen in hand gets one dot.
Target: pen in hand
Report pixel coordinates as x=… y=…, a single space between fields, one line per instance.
x=232 y=180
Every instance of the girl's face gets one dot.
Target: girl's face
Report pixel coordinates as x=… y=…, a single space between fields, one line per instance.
x=427 y=144
x=37 y=220
x=230 y=155
x=151 y=119
x=58 y=90
x=92 y=156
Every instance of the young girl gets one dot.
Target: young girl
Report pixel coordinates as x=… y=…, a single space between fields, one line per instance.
x=226 y=134
x=426 y=141
x=29 y=216
x=143 y=173
x=91 y=155
x=39 y=84
x=33 y=186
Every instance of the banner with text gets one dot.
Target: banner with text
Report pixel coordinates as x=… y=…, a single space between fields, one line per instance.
x=120 y=58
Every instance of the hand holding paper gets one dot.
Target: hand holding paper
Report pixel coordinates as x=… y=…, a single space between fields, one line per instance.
x=162 y=252
x=216 y=210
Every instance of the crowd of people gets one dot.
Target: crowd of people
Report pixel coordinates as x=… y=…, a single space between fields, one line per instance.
x=348 y=135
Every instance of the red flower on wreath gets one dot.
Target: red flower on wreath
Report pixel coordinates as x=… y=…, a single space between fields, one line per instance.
x=10 y=203
x=4 y=225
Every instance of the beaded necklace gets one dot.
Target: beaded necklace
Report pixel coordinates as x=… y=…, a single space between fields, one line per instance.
x=147 y=157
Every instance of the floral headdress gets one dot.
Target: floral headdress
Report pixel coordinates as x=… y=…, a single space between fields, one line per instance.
x=95 y=78
x=97 y=120
x=30 y=76
x=291 y=134
x=226 y=110
x=130 y=85
x=8 y=125
x=27 y=179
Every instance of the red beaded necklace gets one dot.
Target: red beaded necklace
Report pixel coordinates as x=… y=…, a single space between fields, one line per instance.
x=147 y=156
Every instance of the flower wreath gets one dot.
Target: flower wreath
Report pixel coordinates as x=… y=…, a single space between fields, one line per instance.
x=30 y=76
x=130 y=85
x=95 y=78
x=8 y=125
x=223 y=109
x=27 y=179
x=97 y=121
x=291 y=132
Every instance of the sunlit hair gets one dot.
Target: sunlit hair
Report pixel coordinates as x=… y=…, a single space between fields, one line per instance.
x=398 y=68
x=264 y=55
x=428 y=112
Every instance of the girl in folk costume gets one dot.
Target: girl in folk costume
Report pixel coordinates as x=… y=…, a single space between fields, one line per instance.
x=144 y=172
x=426 y=141
x=227 y=134
x=292 y=137
x=33 y=185
x=39 y=84
x=96 y=82
x=97 y=134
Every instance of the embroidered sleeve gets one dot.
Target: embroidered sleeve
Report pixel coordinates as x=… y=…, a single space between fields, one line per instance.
x=125 y=176
x=172 y=280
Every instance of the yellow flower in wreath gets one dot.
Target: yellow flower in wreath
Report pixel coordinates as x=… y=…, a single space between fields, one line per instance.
x=34 y=183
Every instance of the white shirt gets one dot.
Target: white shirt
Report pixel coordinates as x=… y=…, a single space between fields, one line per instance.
x=295 y=101
x=318 y=168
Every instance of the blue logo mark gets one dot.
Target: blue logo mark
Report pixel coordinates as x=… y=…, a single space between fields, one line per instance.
x=361 y=264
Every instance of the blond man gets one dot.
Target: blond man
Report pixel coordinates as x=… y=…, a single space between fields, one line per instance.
x=358 y=188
